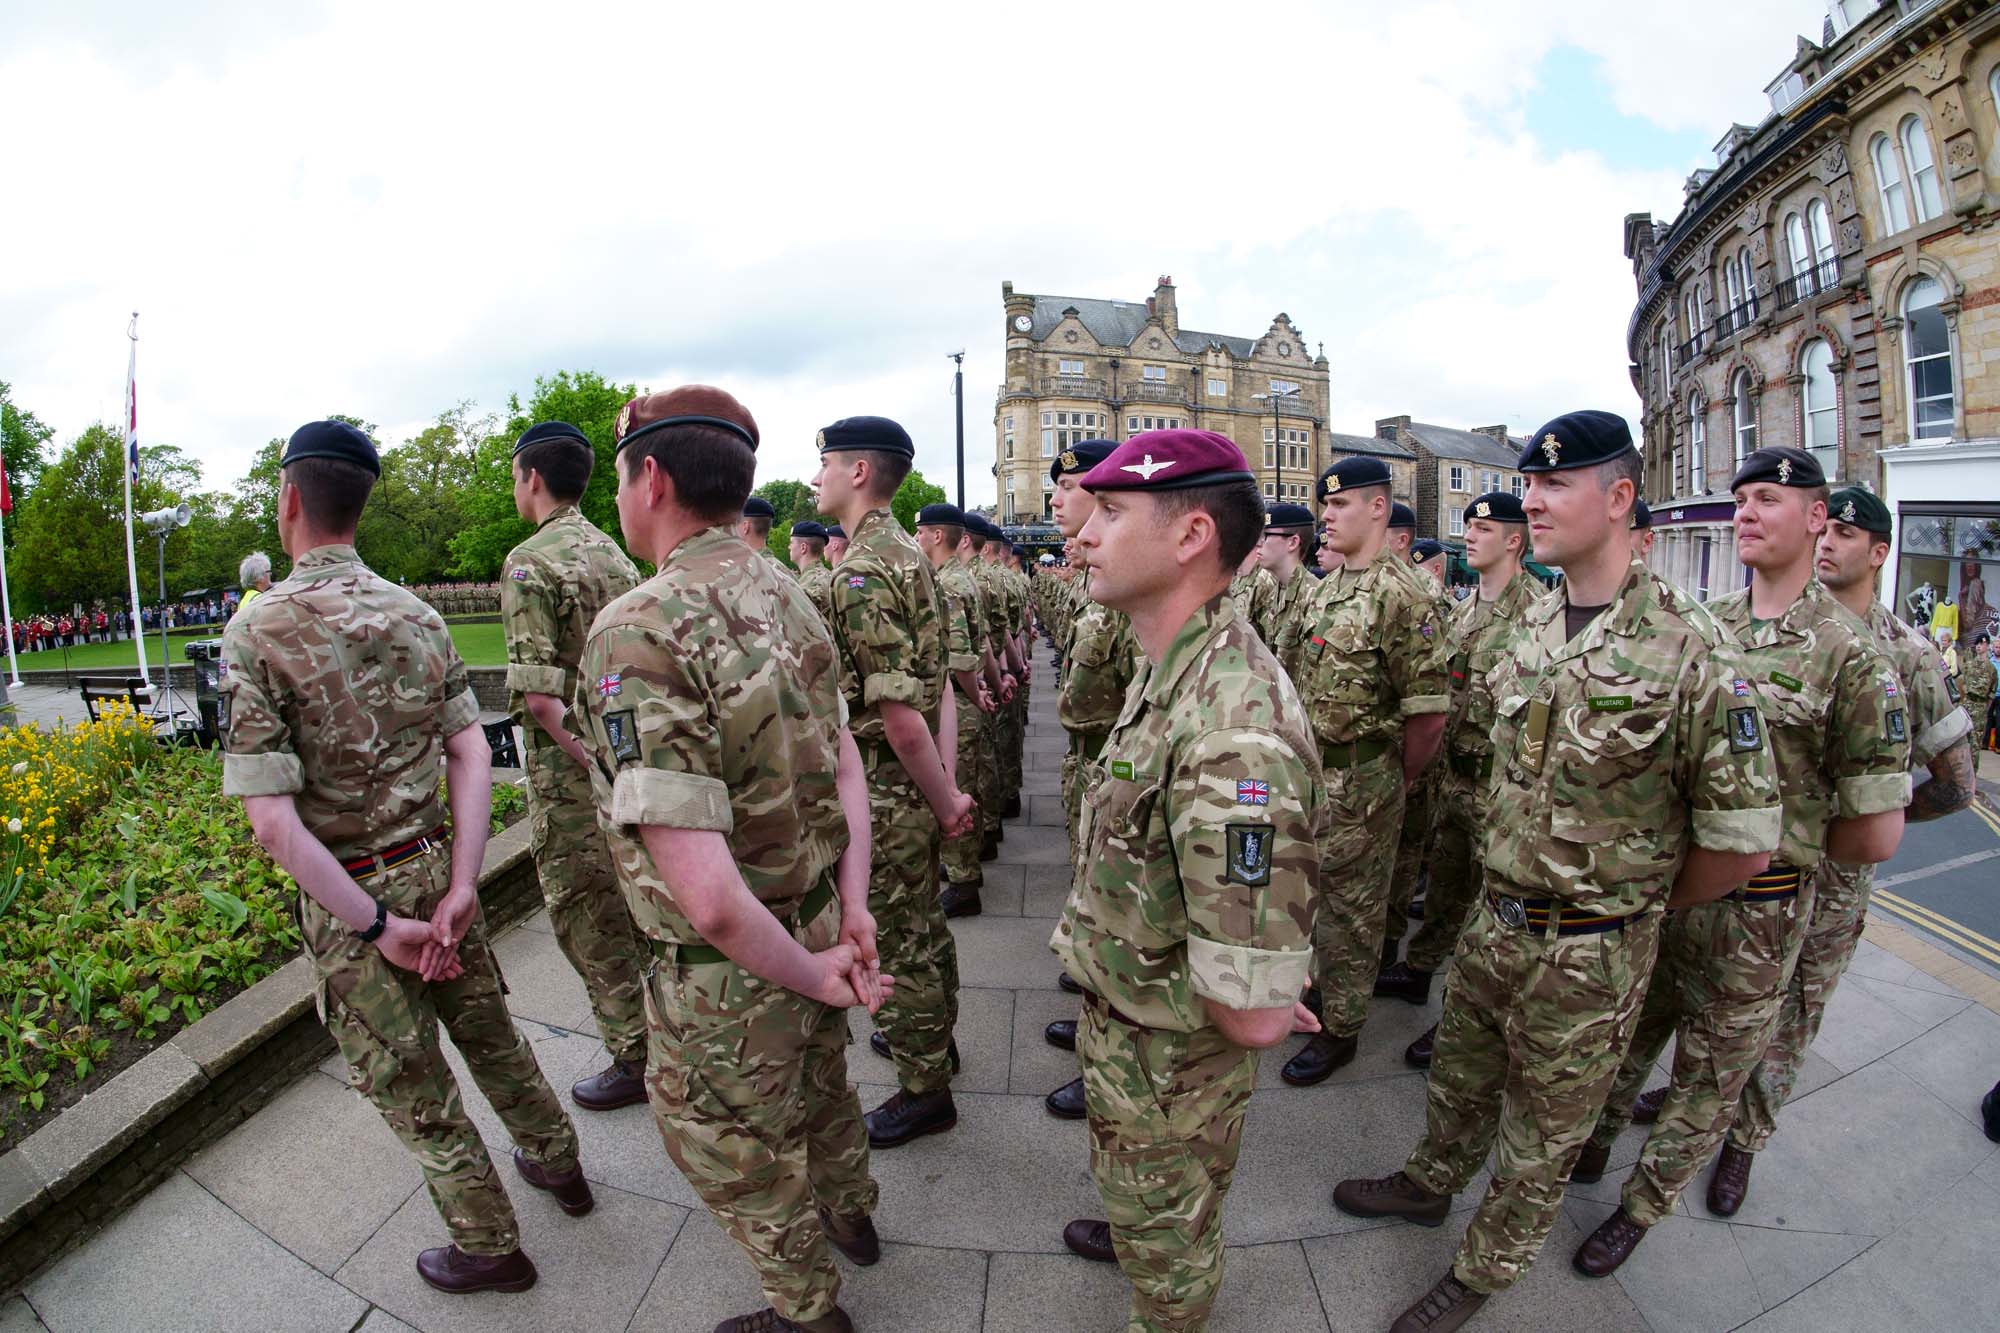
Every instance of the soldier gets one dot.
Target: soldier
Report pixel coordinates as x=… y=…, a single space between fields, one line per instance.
x=1189 y=926
x=940 y=531
x=1642 y=530
x=1635 y=776
x=343 y=700
x=1282 y=554
x=732 y=796
x=1402 y=529
x=888 y=623
x=1005 y=684
x=1977 y=681
x=1851 y=550
x=836 y=543
x=808 y=553
x=1839 y=731
x=1366 y=654
x=557 y=581
x=1254 y=590
x=1409 y=875
x=1478 y=634
x=753 y=529
x=1427 y=556
x=1014 y=715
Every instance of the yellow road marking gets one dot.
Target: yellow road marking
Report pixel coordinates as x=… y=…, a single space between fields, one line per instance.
x=1963 y=936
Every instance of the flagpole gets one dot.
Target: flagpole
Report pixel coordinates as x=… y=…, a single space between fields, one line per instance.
x=6 y=606
x=131 y=470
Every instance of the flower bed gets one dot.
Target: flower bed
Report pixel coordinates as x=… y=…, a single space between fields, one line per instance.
x=134 y=900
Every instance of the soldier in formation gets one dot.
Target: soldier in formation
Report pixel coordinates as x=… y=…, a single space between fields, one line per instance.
x=808 y=552
x=968 y=659
x=1285 y=554
x=1408 y=873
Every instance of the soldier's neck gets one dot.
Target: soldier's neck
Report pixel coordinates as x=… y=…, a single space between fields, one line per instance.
x=1157 y=623
x=1858 y=596
x=1494 y=581
x=1365 y=555
x=1772 y=591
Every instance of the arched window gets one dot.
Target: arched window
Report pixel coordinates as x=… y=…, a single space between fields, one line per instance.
x=1697 y=445
x=1889 y=180
x=1691 y=303
x=1819 y=405
x=1746 y=416
x=1822 y=233
x=1748 y=273
x=1927 y=354
x=1923 y=170
x=1798 y=250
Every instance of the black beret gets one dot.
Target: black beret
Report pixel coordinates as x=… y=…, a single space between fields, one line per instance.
x=1020 y=553
x=1425 y=549
x=948 y=516
x=876 y=433
x=758 y=507
x=1642 y=514
x=1782 y=464
x=1351 y=474
x=332 y=439
x=1496 y=506
x=1577 y=439
x=1081 y=457
x=1284 y=516
x=808 y=528
x=550 y=430
x=835 y=533
x=1860 y=509
x=1401 y=515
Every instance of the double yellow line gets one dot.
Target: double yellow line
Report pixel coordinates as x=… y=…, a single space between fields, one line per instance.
x=1963 y=936
x=1986 y=817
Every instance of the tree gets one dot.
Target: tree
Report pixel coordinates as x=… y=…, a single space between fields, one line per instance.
x=23 y=440
x=490 y=528
x=257 y=504
x=71 y=546
x=795 y=502
x=416 y=507
x=911 y=497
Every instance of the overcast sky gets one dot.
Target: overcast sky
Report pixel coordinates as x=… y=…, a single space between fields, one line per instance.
x=383 y=210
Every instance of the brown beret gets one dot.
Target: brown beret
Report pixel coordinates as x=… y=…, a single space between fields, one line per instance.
x=689 y=405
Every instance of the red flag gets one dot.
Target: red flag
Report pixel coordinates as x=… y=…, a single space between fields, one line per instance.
x=6 y=496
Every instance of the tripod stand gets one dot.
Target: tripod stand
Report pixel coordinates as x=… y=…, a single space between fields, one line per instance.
x=165 y=708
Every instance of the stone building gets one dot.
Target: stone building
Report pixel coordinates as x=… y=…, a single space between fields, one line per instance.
x=1402 y=464
x=1833 y=282
x=1452 y=466
x=1081 y=368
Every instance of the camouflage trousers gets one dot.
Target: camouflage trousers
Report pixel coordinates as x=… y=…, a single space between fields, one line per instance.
x=1457 y=825
x=1833 y=928
x=1014 y=739
x=748 y=1081
x=961 y=855
x=1355 y=864
x=1084 y=747
x=911 y=934
x=1166 y=1121
x=993 y=772
x=385 y=1021
x=587 y=912
x=1723 y=968
x=1412 y=852
x=1533 y=1027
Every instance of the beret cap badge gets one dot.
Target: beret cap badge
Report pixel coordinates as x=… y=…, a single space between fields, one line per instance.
x=1784 y=472
x=1332 y=483
x=1484 y=510
x=1847 y=514
x=1068 y=460
x=1552 y=449
x=1146 y=467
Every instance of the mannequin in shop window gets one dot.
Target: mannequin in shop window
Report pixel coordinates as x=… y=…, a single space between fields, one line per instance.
x=1974 y=614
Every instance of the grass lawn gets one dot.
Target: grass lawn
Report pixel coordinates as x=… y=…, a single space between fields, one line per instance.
x=479 y=645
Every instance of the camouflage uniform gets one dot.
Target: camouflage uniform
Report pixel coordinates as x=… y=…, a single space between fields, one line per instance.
x=889 y=627
x=1977 y=682
x=1015 y=737
x=1413 y=839
x=1283 y=607
x=1368 y=656
x=1613 y=753
x=965 y=649
x=1840 y=739
x=1104 y=657
x=341 y=690
x=1840 y=891
x=993 y=601
x=712 y=699
x=557 y=581
x=817 y=580
x=1256 y=595
x=1479 y=634
x=1202 y=822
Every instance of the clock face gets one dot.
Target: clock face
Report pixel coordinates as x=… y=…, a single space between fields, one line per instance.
x=1023 y=323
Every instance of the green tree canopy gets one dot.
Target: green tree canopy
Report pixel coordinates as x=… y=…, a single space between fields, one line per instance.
x=911 y=497
x=23 y=445
x=795 y=502
x=417 y=505
x=71 y=545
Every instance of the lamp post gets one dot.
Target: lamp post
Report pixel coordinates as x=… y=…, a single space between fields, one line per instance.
x=1277 y=398
x=958 y=398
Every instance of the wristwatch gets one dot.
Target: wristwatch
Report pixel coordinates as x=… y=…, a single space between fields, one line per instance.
x=370 y=935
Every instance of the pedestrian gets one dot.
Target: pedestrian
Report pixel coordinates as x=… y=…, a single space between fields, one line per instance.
x=1479 y=633
x=888 y=626
x=1634 y=775
x=1642 y=530
x=1003 y=650
x=1255 y=591
x=1402 y=529
x=343 y=700
x=1366 y=654
x=731 y=794
x=836 y=544
x=1189 y=923
x=557 y=580
x=254 y=573
x=1014 y=711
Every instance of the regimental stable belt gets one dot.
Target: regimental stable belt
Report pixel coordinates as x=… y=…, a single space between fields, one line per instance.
x=363 y=867
x=1350 y=753
x=1532 y=914
x=674 y=951
x=1774 y=883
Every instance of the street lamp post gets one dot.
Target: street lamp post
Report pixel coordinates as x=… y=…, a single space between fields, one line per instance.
x=1277 y=397
x=958 y=399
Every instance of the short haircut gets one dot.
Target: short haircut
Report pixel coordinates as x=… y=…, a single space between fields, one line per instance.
x=256 y=565
x=952 y=532
x=760 y=526
x=712 y=469
x=885 y=470
x=1629 y=466
x=1235 y=507
x=332 y=491
x=565 y=466
x=816 y=545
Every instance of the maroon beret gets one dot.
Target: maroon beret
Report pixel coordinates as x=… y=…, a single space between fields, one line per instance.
x=689 y=405
x=1170 y=460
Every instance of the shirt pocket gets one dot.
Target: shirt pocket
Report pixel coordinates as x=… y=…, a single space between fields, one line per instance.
x=1131 y=865
x=1610 y=767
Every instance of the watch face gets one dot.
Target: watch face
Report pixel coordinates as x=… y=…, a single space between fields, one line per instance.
x=1023 y=323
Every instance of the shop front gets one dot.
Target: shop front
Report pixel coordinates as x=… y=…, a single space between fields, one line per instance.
x=1694 y=548
x=1944 y=557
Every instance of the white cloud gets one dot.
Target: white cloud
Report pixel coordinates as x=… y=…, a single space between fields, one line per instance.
x=385 y=209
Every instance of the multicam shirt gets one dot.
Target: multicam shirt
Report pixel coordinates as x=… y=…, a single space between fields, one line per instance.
x=1480 y=633
x=552 y=586
x=888 y=623
x=1103 y=658
x=1202 y=824
x=1838 y=722
x=1937 y=722
x=1283 y=607
x=1254 y=593
x=1615 y=751
x=340 y=688
x=712 y=702
x=965 y=618
x=1367 y=652
x=817 y=580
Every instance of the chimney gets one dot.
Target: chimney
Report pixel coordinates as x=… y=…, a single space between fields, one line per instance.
x=1390 y=428
x=1497 y=432
x=1162 y=305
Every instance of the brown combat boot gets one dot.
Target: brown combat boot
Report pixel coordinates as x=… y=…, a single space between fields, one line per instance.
x=768 y=1320
x=1445 y=1307
x=1646 y=1110
x=853 y=1236
x=1732 y=1180
x=623 y=1083
x=1608 y=1246
x=571 y=1190
x=1590 y=1164
x=451 y=1269
x=1391 y=1196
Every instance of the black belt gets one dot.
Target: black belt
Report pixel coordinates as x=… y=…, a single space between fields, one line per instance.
x=1092 y=998
x=1349 y=753
x=361 y=867
x=676 y=951
x=1533 y=914
x=1775 y=883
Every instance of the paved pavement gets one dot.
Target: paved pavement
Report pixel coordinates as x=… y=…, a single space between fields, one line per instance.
x=1878 y=1206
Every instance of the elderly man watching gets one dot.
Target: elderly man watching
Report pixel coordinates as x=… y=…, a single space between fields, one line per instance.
x=255 y=576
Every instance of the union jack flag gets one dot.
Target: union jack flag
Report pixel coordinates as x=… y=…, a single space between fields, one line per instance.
x=1249 y=791
x=610 y=685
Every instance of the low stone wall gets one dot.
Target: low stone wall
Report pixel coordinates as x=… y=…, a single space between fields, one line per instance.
x=76 y=1173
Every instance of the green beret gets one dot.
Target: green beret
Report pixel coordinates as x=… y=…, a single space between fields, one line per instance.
x=1861 y=509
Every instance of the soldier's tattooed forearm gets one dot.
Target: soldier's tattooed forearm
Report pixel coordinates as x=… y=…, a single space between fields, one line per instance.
x=1949 y=789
